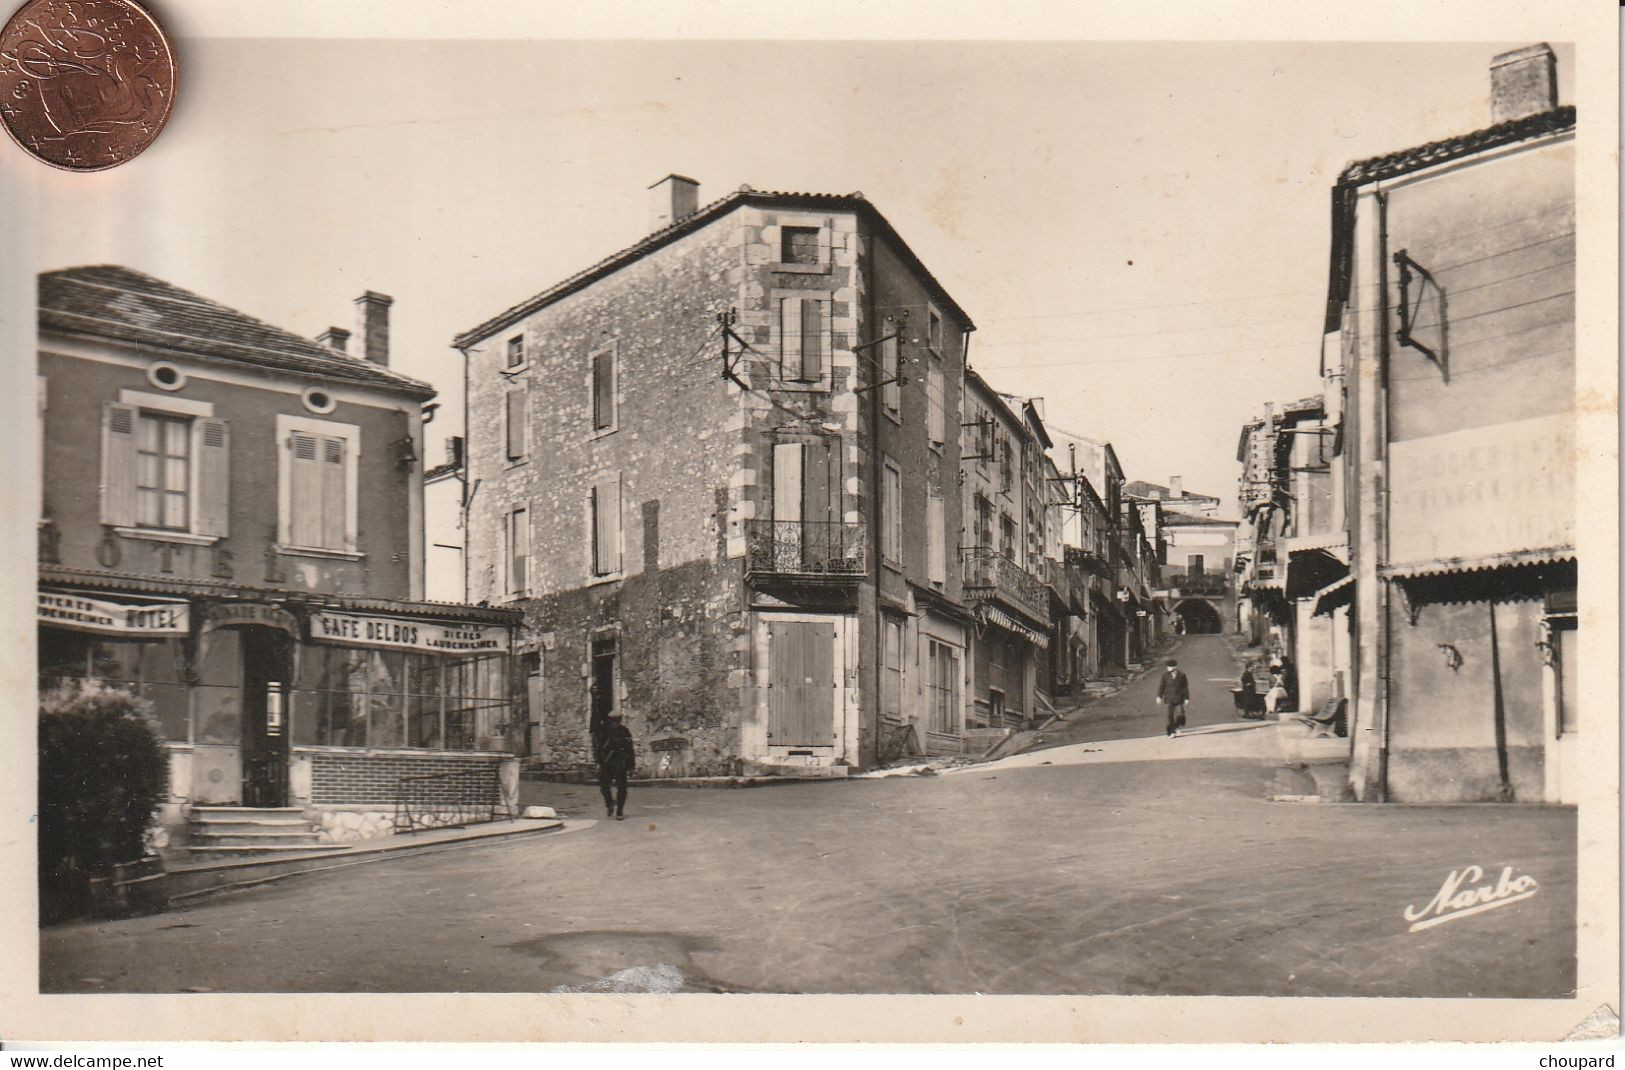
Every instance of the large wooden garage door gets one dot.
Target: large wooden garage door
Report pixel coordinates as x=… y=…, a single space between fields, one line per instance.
x=801 y=684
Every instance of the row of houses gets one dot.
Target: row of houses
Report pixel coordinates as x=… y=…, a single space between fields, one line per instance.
x=1410 y=531
x=737 y=483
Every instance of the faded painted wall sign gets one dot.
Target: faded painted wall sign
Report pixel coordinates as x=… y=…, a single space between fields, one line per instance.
x=94 y=615
x=1483 y=491
x=399 y=634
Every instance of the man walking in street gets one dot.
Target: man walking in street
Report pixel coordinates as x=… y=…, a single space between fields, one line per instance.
x=616 y=761
x=1174 y=691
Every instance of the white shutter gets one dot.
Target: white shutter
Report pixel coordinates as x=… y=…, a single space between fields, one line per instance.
x=787 y=482
x=614 y=557
x=790 y=338
x=213 y=477
x=118 y=464
x=305 y=490
x=606 y=508
x=335 y=507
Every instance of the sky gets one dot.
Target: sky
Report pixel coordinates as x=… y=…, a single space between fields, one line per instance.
x=1138 y=229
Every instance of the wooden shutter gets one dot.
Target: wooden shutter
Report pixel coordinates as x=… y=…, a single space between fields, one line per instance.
x=790 y=338
x=516 y=423
x=518 y=551
x=937 y=534
x=606 y=510
x=816 y=485
x=213 y=477
x=335 y=506
x=892 y=393
x=603 y=390
x=787 y=482
x=118 y=464
x=304 y=490
x=934 y=391
x=812 y=339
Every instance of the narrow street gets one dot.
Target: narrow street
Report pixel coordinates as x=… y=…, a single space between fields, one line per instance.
x=1133 y=712
x=1065 y=871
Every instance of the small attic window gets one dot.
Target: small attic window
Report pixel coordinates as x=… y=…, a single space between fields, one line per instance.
x=798 y=245
x=165 y=376
x=318 y=401
x=516 y=351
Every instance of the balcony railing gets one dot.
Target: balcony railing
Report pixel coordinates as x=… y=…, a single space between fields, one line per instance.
x=813 y=548
x=989 y=574
x=1205 y=583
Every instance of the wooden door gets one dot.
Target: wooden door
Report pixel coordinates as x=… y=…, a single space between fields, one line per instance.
x=801 y=684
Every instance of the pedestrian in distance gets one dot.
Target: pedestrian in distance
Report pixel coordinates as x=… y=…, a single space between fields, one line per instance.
x=1174 y=691
x=616 y=762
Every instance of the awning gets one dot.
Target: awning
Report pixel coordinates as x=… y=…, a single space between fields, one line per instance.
x=1000 y=619
x=1337 y=542
x=1308 y=570
x=1334 y=596
x=81 y=613
x=1444 y=567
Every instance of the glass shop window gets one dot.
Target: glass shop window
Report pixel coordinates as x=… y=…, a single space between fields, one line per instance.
x=148 y=668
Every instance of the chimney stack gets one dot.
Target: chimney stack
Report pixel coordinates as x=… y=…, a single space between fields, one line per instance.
x=372 y=317
x=1523 y=83
x=672 y=199
x=1176 y=486
x=334 y=338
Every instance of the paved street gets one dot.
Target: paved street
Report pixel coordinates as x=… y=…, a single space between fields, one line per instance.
x=1087 y=869
x=1133 y=712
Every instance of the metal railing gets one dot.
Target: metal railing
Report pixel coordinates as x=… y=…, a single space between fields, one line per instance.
x=1205 y=583
x=449 y=800
x=988 y=573
x=804 y=548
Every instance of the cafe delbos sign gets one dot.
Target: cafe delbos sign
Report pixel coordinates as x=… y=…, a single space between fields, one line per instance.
x=83 y=614
x=393 y=633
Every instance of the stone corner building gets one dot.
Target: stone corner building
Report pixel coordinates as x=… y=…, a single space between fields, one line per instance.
x=718 y=471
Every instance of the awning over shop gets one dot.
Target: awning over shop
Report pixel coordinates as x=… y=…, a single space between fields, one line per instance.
x=1308 y=570
x=1334 y=596
x=81 y=613
x=1000 y=619
x=1444 y=567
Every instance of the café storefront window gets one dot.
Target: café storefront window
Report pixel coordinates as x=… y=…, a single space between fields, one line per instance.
x=148 y=667
x=381 y=699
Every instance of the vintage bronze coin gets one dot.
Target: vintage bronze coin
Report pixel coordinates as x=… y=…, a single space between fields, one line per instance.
x=85 y=84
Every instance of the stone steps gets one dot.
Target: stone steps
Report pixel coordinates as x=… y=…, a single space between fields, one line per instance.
x=246 y=831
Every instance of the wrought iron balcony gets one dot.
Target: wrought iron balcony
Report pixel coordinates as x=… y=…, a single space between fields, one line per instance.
x=991 y=575
x=1205 y=583
x=804 y=548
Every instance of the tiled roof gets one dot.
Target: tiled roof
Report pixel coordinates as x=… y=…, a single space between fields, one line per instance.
x=1139 y=488
x=1171 y=519
x=124 y=305
x=1435 y=152
x=701 y=217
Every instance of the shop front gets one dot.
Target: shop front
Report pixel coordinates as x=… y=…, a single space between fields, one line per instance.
x=343 y=708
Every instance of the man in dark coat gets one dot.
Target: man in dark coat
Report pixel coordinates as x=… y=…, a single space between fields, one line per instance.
x=1174 y=691
x=616 y=760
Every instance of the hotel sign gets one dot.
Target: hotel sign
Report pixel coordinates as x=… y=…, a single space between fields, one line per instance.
x=113 y=618
x=394 y=633
x=1483 y=491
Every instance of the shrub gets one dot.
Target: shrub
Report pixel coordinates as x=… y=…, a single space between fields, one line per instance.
x=102 y=774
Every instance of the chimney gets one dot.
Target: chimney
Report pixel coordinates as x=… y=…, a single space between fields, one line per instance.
x=372 y=317
x=1176 y=486
x=671 y=199
x=334 y=338
x=1523 y=83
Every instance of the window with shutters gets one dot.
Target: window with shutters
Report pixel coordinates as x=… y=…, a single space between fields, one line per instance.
x=891 y=394
x=933 y=330
x=515 y=430
x=936 y=534
x=937 y=410
x=165 y=468
x=892 y=698
x=518 y=552
x=891 y=516
x=803 y=344
x=604 y=387
x=317 y=486
x=516 y=352
x=943 y=681
x=604 y=523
